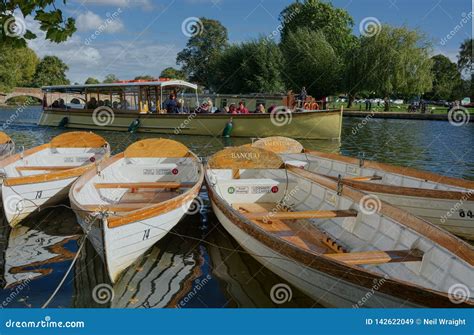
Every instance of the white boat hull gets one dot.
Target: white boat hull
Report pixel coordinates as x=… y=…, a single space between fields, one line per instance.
x=324 y=289
x=121 y=246
x=19 y=201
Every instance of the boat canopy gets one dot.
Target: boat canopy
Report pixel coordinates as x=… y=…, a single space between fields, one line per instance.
x=120 y=85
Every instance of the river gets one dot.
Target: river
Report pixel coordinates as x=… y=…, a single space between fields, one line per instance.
x=199 y=265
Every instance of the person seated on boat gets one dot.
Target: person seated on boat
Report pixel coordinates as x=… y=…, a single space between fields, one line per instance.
x=107 y=103
x=242 y=109
x=226 y=109
x=61 y=103
x=260 y=109
x=92 y=104
x=171 y=105
x=55 y=104
x=232 y=109
x=271 y=108
x=115 y=105
x=204 y=108
x=101 y=103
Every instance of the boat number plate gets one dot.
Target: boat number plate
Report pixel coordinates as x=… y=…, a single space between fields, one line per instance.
x=466 y=214
x=353 y=170
x=159 y=172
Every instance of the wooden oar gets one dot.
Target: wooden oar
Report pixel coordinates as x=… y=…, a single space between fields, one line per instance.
x=378 y=257
x=301 y=215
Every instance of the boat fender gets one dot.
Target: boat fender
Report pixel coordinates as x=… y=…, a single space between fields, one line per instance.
x=134 y=125
x=228 y=128
x=64 y=121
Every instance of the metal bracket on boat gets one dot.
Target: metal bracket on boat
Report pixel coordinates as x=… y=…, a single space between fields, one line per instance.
x=361 y=159
x=339 y=185
x=97 y=168
x=22 y=151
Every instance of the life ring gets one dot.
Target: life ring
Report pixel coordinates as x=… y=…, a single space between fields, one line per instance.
x=307 y=105
x=314 y=106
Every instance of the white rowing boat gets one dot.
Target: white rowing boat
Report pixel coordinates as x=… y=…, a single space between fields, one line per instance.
x=7 y=146
x=444 y=201
x=313 y=232
x=136 y=199
x=41 y=176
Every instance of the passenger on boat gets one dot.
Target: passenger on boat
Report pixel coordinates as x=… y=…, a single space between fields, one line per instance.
x=232 y=109
x=55 y=104
x=115 y=105
x=271 y=108
x=101 y=103
x=92 y=104
x=302 y=97
x=61 y=103
x=260 y=109
x=226 y=109
x=242 y=109
x=171 y=105
x=204 y=108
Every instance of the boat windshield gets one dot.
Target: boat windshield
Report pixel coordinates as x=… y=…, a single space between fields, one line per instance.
x=127 y=96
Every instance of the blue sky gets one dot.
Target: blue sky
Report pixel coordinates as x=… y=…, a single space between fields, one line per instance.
x=144 y=36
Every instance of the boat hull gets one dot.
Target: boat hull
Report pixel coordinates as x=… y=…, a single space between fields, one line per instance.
x=320 y=286
x=303 y=125
x=121 y=246
x=20 y=201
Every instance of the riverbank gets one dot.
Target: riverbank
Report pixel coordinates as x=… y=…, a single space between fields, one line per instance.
x=399 y=115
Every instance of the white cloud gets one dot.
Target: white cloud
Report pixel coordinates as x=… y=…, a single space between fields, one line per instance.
x=89 y=21
x=145 y=4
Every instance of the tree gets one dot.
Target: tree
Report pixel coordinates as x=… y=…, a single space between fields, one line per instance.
x=466 y=55
x=335 y=23
x=144 y=77
x=17 y=67
x=50 y=71
x=310 y=61
x=202 y=50
x=395 y=61
x=50 y=18
x=110 y=78
x=446 y=79
x=173 y=73
x=90 y=81
x=251 y=67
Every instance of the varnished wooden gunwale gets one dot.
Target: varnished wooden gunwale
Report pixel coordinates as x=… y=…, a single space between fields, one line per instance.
x=408 y=191
x=4 y=138
x=401 y=170
x=353 y=274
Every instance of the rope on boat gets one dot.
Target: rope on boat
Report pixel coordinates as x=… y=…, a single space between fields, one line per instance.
x=66 y=274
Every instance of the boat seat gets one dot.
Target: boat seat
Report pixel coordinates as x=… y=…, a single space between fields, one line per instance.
x=118 y=207
x=378 y=257
x=164 y=184
x=301 y=215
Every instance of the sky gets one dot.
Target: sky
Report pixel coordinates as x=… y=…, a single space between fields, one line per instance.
x=144 y=36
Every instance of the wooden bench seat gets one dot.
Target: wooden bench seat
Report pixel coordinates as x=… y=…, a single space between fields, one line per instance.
x=301 y=215
x=158 y=184
x=378 y=257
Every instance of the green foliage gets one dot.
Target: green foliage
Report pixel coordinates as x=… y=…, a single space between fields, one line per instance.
x=335 y=23
x=50 y=18
x=251 y=67
x=202 y=50
x=110 y=78
x=395 y=61
x=17 y=67
x=310 y=61
x=172 y=73
x=50 y=71
x=466 y=55
x=446 y=79
x=91 y=81
x=144 y=77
